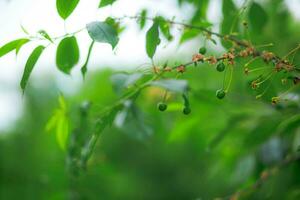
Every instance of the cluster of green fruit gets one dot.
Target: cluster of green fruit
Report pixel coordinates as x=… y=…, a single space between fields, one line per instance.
x=163 y=107
x=220 y=94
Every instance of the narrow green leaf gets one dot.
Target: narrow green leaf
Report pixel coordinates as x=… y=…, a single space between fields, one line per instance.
x=62 y=130
x=164 y=27
x=201 y=11
x=66 y=7
x=84 y=67
x=32 y=60
x=104 y=3
x=103 y=32
x=152 y=39
x=44 y=34
x=13 y=45
x=143 y=17
x=257 y=17
x=67 y=55
x=230 y=20
x=24 y=30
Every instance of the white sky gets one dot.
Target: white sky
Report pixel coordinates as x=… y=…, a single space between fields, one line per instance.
x=41 y=14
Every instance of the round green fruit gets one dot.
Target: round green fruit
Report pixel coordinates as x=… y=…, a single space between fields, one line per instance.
x=162 y=106
x=220 y=67
x=202 y=50
x=187 y=111
x=220 y=94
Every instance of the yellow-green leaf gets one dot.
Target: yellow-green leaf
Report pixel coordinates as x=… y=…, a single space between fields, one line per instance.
x=13 y=45
x=60 y=123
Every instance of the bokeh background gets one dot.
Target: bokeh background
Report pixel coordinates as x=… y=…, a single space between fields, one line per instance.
x=221 y=148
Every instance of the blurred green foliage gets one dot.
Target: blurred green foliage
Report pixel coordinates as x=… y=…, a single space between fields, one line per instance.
x=220 y=148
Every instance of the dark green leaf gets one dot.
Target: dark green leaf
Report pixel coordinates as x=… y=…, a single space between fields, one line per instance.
x=257 y=17
x=103 y=33
x=104 y=3
x=13 y=45
x=67 y=55
x=152 y=39
x=66 y=7
x=32 y=60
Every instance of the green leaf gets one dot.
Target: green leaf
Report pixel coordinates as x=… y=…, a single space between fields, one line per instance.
x=67 y=54
x=84 y=67
x=45 y=35
x=103 y=33
x=66 y=7
x=113 y=23
x=104 y=3
x=230 y=20
x=201 y=11
x=13 y=45
x=180 y=86
x=32 y=60
x=60 y=123
x=257 y=17
x=143 y=17
x=164 y=26
x=152 y=39
x=188 y=34
x=230 y=12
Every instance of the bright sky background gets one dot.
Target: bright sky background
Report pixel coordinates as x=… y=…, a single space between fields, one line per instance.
x=35 y=15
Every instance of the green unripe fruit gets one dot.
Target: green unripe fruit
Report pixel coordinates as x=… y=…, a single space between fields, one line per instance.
x=186 y=110
x=202 y=50
x=220 y=67
x=220 y=94
x=162 y=106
